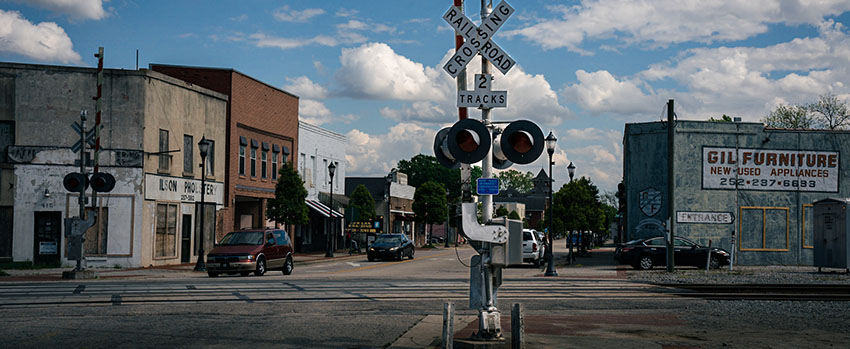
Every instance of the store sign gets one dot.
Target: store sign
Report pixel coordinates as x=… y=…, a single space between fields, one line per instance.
x=770 y=169
x=47 y=247
x=364 y=227
x=166 y=188
x=704 y=217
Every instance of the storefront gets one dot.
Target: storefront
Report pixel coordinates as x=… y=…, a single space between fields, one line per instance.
x=736 y=183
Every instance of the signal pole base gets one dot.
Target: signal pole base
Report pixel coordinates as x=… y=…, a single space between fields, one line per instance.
x=489 y=326
x=79 y=274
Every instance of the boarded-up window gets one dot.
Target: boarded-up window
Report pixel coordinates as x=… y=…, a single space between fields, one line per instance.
x=210 y=158
x=164 y=156
x=6 y=224
x=96 y=236
x=7 y=138
x=166 y=230
x=188 y=149
x=764 y=229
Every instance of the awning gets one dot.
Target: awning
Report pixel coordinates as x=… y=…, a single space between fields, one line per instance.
x=322 y=208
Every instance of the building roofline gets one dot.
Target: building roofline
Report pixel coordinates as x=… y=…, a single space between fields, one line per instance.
x=318 y=129
x=231 y=70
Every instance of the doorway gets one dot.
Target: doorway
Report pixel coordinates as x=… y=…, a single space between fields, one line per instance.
x=47 y=239
x=186 y=239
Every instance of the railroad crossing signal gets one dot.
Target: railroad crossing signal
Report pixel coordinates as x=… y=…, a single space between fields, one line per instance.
x=482 y=97
x=90 y=137
x=469 y=141
x=479 y=39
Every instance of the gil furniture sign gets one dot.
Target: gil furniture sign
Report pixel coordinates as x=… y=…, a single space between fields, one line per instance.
x=704 y=217
x=770 y=169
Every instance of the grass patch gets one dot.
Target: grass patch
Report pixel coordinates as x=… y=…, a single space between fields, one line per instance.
x=3 y=273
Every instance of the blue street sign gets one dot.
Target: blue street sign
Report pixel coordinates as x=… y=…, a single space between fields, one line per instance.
x=488 y=186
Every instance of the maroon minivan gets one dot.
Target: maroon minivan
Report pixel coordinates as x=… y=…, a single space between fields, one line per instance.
x=251 y=250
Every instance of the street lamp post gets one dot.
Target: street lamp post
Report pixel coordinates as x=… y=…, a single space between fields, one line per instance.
x=203 y=147
x=332 y=234
x=389 y=178
x=571 y=169
x=550 y=255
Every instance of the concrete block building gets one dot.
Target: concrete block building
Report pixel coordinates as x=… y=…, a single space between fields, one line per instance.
x=740 y=183
x=151 y=125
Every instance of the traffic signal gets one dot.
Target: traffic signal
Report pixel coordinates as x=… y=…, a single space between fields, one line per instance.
x=102 y=182
x=467 y=141
x=621 y=198
x=75 y=182
x=521 y=143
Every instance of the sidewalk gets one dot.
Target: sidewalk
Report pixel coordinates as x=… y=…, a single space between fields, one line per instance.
x=186 y=269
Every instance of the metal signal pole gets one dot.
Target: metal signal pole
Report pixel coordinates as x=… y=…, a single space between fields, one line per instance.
x=671 y=212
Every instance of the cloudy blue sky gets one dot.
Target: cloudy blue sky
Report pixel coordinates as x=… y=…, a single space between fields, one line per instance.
x=372 y=70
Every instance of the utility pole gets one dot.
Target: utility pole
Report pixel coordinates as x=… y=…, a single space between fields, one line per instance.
x=97 y=109
x=671 y=212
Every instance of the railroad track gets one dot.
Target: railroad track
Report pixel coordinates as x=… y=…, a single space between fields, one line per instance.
x=783 y=292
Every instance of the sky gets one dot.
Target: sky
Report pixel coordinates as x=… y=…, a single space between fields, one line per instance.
x=372 y=70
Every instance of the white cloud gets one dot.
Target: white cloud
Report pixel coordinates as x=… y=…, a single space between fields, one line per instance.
x=45 y=41
x=749 y=81
x=263 y=40
x=77 y=9
x=373 y=155
x=375 y=71
x=664 y=22
x=305 y=88
x=601 y=92
x=287 y=14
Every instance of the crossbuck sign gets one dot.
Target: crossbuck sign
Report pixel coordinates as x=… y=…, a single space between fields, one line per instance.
x=479 y=39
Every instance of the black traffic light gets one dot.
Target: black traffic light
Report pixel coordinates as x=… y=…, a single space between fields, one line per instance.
x=621 y=198
x=521 y=143
x=75 y=182
x=467 y=141
x=102 y=182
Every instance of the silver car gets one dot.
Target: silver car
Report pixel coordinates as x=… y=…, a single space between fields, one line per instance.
x=531 y=247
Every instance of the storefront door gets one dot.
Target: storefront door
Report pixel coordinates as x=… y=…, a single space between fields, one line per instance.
x=47 y=238
x=186 y=239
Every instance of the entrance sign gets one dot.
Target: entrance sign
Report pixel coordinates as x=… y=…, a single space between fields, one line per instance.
x=482 y=96
x=705 y=217
x=488 y=186
x=479 y=39
x=770 y=169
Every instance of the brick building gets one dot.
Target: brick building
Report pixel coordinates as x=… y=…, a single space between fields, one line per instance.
x=262 y=134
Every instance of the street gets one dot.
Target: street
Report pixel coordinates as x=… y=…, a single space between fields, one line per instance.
x=350 y=303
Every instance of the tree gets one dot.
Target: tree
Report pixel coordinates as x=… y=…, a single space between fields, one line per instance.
x=502 y=211
x=789 y=116
x=724 y=118
x=422 y=168
x=430 y=205
x=831 y=112
x=288 y=205
x=362 y=199
x=513 y=215
x=576 y=206
x=516 y=180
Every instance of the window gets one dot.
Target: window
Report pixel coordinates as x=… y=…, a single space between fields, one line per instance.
x=164 y=156
x=166 y=230
x=242 y=160
x=303 y=165
x=314 y=177
x=274 y=164
x=327 y=172
x=211 y=158
x=95 y=244
x=253 y=162
x=281 y=237
x=187 y=154
x=264 y=164
x=656 y=242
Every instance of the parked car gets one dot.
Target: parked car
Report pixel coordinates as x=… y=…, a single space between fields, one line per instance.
x=649 y=252
x=543 y=243
x=252 y=250
x=390 y=246
x=531 y=246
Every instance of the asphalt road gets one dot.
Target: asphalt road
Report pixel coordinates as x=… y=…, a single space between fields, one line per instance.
x=354 y=303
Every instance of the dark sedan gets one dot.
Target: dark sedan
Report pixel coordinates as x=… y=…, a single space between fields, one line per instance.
x=649 y=252
x=390 y=246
